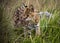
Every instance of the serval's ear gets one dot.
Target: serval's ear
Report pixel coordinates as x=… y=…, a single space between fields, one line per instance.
x=27 y=11
x=25 y=5
x=31 y=8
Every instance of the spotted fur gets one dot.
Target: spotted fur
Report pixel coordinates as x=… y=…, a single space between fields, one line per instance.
x=26 y=17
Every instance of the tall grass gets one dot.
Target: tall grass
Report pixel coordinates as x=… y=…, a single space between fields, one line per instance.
x=50 y=30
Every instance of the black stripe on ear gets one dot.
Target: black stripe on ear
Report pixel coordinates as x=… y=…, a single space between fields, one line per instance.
x=25 y=6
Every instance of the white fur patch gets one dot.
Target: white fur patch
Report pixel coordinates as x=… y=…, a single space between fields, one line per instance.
x=28 y=19
x=38 y=24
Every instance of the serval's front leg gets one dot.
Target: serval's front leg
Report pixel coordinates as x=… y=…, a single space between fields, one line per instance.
x=38 y=31
x=25 y=32
x=37 y=19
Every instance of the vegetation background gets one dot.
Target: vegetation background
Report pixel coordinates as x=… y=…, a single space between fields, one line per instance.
x=50 y=28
